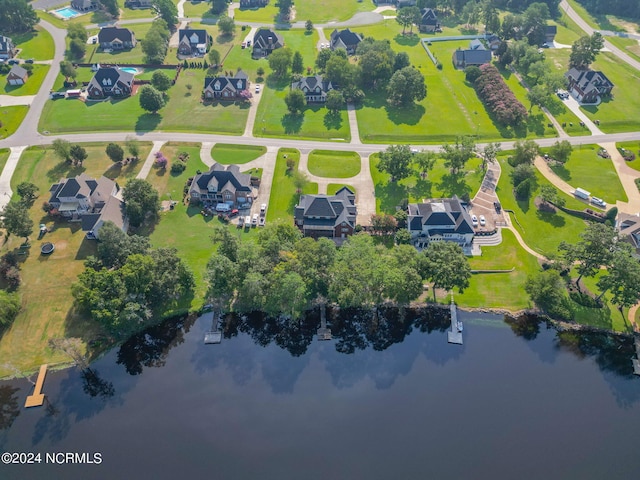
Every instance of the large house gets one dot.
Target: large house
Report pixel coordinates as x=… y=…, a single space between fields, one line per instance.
x=7 y=48
x=193 y=42
x=475 y=55
x=493 y=41
x=225 y=88
x=17 y=76
x=429 y=21
x=440 y=219
x=253 y=3
x=110 y=82
x=550 y=32
x=222 y=185
x=116 y=38
x=315 y=88
x=628 y=227
x=588 y=86
x=266 y=41
x=330 y=216
x=84 y=5
x=91 y=201
x=138 y=3
x=346 y=40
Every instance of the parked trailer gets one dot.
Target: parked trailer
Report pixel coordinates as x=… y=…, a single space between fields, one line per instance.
x=582 y=193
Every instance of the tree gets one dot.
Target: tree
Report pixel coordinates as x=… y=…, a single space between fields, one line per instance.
x=404 y=17
x=406 y=86
x=68 y=70
x=284 y=7
x=548 y=194
x=446 y=266
x=322 y=58
x=525 y=151
x=561 y=151
x=160 y=81
x=111 y=6
x=260 y=71
x=296 y=64
x=376 y=62
x=167 y=11
x=546 y=289
x=115 y=246
x=424 y=161
x=9 y=308
x=335 y=101
x=141 y=200
x=534 y=22
x=458 y=154
x=214 y=57
x=472 y=73
x=403 y=237
x=622 y=278
x=62 y=149
x=218 y=6
x=17 y=221
x=308 y=26
x=226 y=25
x=498 y=98
x=76 y=30
x=384 y=223
x=77 y=48
x=490 y=153
x=133 y=146
x=78 y=154
x=401 y=61
x=537 y=95
x=115 y=152
x=396 y=161
x=151 y=99
x=287 y=293
x=280 y=61
x=295 y=101
x=17 y=16
x=28 y=192
x=223 y=278
x=584 y=51
x=300 y=181
x=522 y=173
x=154 y=47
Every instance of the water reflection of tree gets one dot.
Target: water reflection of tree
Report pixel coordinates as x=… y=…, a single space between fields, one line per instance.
x=525 y=326
x=94 y=385
x=9 y=408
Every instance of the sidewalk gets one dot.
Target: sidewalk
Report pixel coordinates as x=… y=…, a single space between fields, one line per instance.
x=7 y=173
x=146 y=168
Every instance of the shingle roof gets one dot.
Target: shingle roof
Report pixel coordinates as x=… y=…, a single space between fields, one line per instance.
x=18 y=71
x=188 y=35
x=473 y=57
x=237 y=83
x=228 y=178
x=311 y=83
x=110 y=76
x=109 y=34
x=321 y=212
x=441 y=212
x=344 y=38
x=429 y=17
x=261 y=38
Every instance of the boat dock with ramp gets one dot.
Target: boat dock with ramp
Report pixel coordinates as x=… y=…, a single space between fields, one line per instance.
x=454 y=335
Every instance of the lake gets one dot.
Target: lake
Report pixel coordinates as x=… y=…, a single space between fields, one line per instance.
x=382 y=400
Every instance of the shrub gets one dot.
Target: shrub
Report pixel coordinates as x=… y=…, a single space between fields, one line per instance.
x=177 y=168
x=498 y=98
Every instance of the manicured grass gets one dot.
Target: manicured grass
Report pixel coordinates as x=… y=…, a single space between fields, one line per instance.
x=439 y=183
x=268 y=14
x=330 y=10
x=587 y=170
x=37 y=44
x=97 y=17
x=284 y=198
x=226 y=153
x=133 y=55
x=628 y=45
x=197 y=9
x=542 y=231
x=11 y=118
x=635 y=148
x=332 y=188
x=46 y=281
x=32 y=85
x=328 y=163
x=134 y=13
x=53 y=20
x=4 y=155
x=500 y=290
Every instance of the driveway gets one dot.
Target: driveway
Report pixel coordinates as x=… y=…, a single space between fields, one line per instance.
x=12 y=100
x=627 y=176
x=573 y=105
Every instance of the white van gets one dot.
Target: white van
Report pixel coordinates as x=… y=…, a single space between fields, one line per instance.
x=223 y=207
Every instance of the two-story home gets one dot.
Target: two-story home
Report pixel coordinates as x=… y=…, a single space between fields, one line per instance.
x=221 y=185
x=84 y=5
x=7 y=48
x=17 y=76
x=440 y=219
x=429 y=21
x=253 y=3
x=475 y=55
x=91 y=201
x=266 y=41
x=588 y=86
x=110 y=82
x=345 y=40
x=315 y=88
x=225 y=88
x=193 y=42
x=330 y=216
x=116 y=38
x=138 y=3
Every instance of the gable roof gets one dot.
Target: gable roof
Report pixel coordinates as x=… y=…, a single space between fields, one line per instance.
x=550 y=29
x=188 y=35
x=429 y=17
x=109 y=34
x=309 y=84
x=589 y=79
x=110 y=76
x=5 y=43
x=344 y=38
x=440 y=212
x=629 y=228
x=326 y=211
x=472 y=57
x=476 y=44
x=236 y=83
x=18 y=71
x=267 y=38
x=223 y=178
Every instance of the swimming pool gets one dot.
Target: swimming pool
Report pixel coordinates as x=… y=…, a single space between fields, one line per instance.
x=130 y=70
x=67 y=12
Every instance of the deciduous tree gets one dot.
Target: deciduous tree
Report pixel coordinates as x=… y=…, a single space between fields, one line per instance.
x=78 y=154
x=17 y=16
x=295 y=101
x=17 y=221
x=226 y=25
x=446 y=266
x=141 y=200
x=280 y=61
x=406 y=86
x=160 y=81
x=584 y=51
x=28 y=192
x=396 y=161
x=561 y=151
x=297 y=65
x=151 y=99
x=457 y=155
x=115 y=152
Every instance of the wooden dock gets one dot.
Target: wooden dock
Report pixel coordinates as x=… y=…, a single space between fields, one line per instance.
x=324 y=333
x=36 y=399
x=636 y=361
x=214 y=335
x=453 y=335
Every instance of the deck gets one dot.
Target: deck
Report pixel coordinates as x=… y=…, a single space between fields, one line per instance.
x=453 y=335
x=36 y=399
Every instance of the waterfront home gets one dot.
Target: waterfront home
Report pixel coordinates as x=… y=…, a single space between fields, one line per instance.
x=330 y=216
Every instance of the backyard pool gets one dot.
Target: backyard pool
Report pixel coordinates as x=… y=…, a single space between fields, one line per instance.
x=66 y=13
x=130 y=70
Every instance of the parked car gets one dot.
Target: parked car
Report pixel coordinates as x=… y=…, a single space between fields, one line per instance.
x=233 y=213
x=56 y=95
x=13 y=61
x=497 y=206
x=254 y=220
x=263 y=209
x=474 y=220
x=598 y=202
x=483 y=221
x=29 y=60
x=243 y=44
x=257 y=88
x=248 y=43
x=247 y=221
x=261 y=222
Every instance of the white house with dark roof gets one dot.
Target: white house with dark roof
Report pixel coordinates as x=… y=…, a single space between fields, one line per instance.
x=110 y=82
x=330 y=216
x=429 y=21
x=628 y=227
x=222 y=185
x=440 y=219
x=116 y=38
x=315 y=88
x=193 y=41
x=225 y=88
x=345 y=40
x=7 y=48
x=90 y=201
x=588 y=86
x=266 y=41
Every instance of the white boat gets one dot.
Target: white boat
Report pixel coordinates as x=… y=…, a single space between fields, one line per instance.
x=460 y=326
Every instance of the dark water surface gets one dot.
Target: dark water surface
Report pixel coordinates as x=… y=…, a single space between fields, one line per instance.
x=380 y=401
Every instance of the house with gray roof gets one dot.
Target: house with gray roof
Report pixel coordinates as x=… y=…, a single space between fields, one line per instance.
x=225 y=88
x=345 y=40
x=84 y=5
x=116 y=38
x=138 y=4
x=7 y=48
x=429 y=21
x=475 y=55
x=110 y=82
x=266 y=41
x=440 y=219
x=315 y=88
x=222 y=184
x=17 y=76
x=330 y=216
x=253 y=3
x=628 y=228
x=193 y=41
x=90 y=201
x=588 y=86
x=550 y=32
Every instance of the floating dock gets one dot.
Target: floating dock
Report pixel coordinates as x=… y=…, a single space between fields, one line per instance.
x=454 y=335
x=36 y=399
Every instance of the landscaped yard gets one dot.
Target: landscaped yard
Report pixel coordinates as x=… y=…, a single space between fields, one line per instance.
x=635 y=148
x=332 y=188
x=32 y=84
x=439 y=183
x=227 y=153
x=4 y=155
x=36 y=44
x=587 y=170
x=11 y=118
x=134 y=55
x=197 y=9
x=328 y=163
x=134 y=13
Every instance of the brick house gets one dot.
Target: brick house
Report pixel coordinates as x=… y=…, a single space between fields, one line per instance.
x=222 y=185
x=225 y=88
x=330 y=216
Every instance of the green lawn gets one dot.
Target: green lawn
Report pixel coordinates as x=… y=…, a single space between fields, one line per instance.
x=11 y=118
x=55 y=21
x=330 y=10
x=198 y=9
x=628 y=45
x=332 y=188
x=98 y=16
x=587 y=170
x=329 y=163
x=268 y=14
x=439 y=183
x=500 y=290
x=4 y=155
x=32 y=85
x=134 y=55
x=635 y=147
x=36 y=44
x=284 y=198
x=135 y=13
x=226 y=153
x=542 y=231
